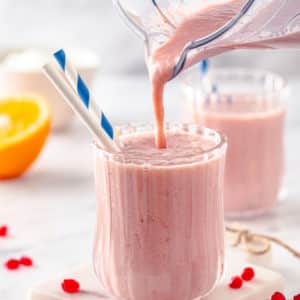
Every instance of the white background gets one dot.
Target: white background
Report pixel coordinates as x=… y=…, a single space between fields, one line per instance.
x=51 y=210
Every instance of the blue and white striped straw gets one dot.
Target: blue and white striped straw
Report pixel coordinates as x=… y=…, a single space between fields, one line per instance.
x=206 y=82
x=59 y=80
x=81 y=89
x=212 y=88
x=204 y=67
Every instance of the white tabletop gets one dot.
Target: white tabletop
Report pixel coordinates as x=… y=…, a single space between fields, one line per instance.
x=51 y=210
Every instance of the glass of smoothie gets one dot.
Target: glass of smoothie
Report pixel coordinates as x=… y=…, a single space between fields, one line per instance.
x=248 y=107
x=160 y=215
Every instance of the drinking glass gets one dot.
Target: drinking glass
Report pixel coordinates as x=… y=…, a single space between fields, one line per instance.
x=248 y=107
x=160 y=227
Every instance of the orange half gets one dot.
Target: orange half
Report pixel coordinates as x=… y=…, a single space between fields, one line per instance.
x=24 y=128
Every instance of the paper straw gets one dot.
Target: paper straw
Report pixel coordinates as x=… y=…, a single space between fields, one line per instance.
x=229 y=99
x=204 y=67
x=205 y=78
x=82 y=90
x=214 y=88
x=207 y=82
x=91 y=122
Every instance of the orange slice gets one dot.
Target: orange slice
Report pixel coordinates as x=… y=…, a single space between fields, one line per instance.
x=24 y=128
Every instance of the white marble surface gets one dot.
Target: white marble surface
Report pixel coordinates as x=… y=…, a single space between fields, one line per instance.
x=51 y=210
x=261 y=288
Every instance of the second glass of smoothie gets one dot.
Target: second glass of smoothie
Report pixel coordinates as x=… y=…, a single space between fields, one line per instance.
x=160 y=215
x=248 y=107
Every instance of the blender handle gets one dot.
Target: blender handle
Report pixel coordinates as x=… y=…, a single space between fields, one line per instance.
x=130 y=20
x=210 y=38
x=162 y=14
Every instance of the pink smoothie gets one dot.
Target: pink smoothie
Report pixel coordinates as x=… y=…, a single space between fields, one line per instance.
x=160 y=216
x=201 y=20
x=255 y=157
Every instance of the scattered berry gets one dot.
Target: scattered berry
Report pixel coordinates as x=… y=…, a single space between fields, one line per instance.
x=26 y=261
x=236 y=282
x=12 y=264
x=70 y=286
x=296 y=297
x=3 y=231
x=278 y=296
x=248 y=274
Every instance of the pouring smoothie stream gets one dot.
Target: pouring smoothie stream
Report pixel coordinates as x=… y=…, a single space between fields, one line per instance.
x=180 y=35
x=162 y=61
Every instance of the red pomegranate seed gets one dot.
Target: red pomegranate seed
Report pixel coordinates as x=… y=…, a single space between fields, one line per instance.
x=236 y=282
x=12 y=264
x=26 y=261
x=278 y=296
x=296 y=297
x=248 y=274
x=70 y=286
x=3 y=231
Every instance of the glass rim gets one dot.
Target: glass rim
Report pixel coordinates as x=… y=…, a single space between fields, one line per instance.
x=197 y=129
x=281 y=82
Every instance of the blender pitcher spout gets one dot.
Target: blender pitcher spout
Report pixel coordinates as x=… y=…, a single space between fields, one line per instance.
x=155 y=21
x=270 y=24
x=197 y=44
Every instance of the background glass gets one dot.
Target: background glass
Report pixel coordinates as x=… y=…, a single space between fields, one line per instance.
x=248 y=107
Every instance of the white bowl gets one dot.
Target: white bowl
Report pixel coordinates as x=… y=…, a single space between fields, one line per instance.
x=21 y=73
